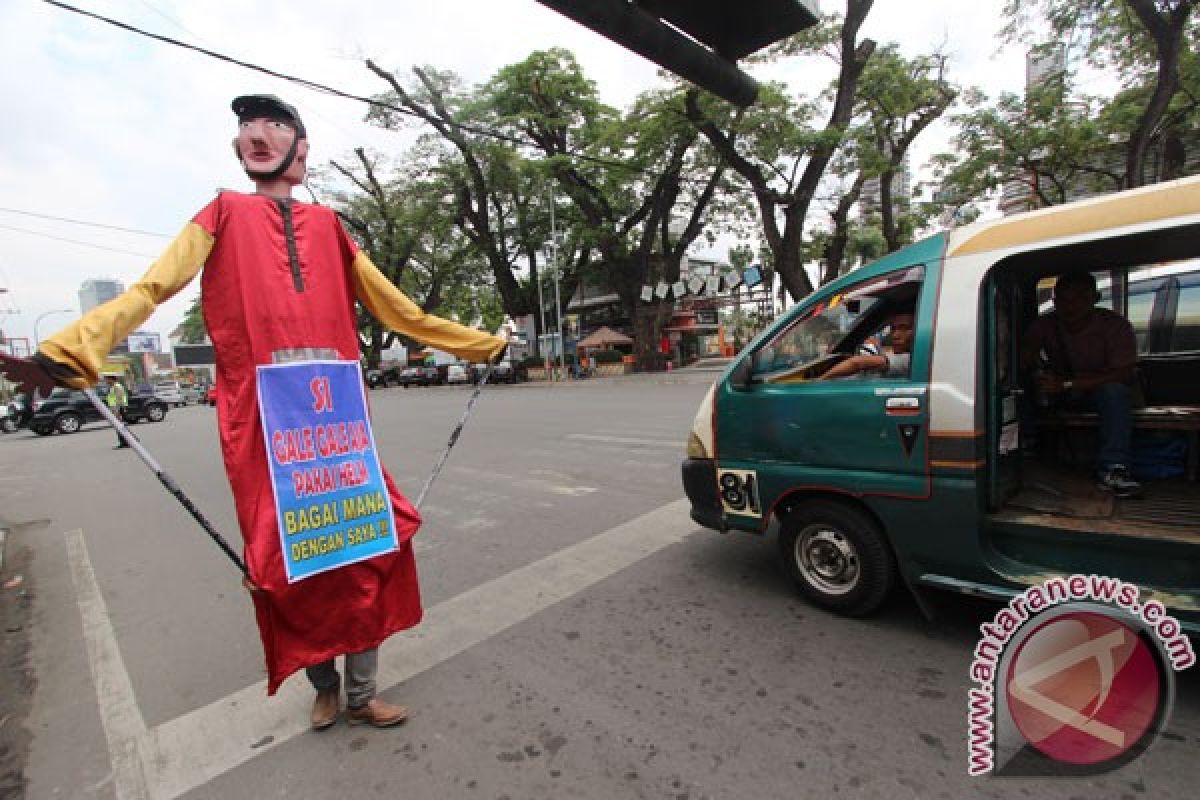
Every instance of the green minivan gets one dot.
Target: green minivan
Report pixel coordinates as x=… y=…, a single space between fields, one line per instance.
x=947 y=473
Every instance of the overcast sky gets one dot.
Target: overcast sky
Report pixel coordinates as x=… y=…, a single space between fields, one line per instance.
x=105 y=126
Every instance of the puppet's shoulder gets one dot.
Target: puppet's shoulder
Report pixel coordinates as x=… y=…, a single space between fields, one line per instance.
x=213 y=216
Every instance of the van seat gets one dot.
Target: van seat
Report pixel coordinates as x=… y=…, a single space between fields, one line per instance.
x=1185 y=418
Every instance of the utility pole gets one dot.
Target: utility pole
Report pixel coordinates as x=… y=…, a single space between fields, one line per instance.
x=541 y=331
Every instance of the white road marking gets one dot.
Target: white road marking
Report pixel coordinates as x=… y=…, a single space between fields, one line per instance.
x=588 y=437
x=119 y=713
x=189 y=751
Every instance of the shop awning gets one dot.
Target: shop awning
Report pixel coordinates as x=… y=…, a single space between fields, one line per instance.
x=603 y=337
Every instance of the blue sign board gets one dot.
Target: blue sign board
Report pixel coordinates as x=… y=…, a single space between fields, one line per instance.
x=332 y=504
x=752 y=275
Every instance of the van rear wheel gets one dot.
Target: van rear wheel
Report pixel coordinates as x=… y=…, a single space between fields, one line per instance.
x=838 y=557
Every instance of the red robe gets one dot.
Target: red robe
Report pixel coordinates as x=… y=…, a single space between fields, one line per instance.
x=255 y=304
x=281 y=276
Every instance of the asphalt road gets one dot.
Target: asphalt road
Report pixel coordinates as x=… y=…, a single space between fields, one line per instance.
x=583 y=638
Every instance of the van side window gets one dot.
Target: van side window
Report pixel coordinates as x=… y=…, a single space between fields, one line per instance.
x=855 y=320
x=1164 y=307
x=815 y=335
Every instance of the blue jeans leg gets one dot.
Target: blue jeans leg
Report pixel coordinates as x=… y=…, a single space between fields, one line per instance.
x=1113 y=401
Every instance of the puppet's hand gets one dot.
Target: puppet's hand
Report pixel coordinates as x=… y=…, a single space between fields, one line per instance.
x=28 y=374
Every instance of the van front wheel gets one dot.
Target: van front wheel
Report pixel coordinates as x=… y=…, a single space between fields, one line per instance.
x=838 y=557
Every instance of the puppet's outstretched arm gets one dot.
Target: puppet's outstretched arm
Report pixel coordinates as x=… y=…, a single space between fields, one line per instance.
x=79 y=350
x=393 y=308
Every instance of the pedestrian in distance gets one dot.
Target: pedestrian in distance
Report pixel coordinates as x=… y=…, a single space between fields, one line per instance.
x=280 y=283
x=117 y=399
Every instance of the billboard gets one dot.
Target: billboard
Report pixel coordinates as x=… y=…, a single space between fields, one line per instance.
x=142 y=342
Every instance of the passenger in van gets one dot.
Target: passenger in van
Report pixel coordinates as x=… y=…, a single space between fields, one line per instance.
x=893 y=364
x=1084 y=358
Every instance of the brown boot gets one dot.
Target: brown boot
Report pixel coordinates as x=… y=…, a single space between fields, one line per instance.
x=325 y=708
x=377 y=712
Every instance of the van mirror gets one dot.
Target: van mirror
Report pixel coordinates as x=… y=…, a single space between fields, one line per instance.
x=739 y=376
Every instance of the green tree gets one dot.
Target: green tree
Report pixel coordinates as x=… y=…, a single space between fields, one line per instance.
x=405 y=223
x=626 y=175
x=498 y=196
x=193 y=329
x=1063 y=142
x=1056 y=148
x=1148 y=44
x=769 y=143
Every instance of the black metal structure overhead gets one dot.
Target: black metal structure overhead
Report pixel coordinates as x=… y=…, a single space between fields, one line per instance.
x=698 y=40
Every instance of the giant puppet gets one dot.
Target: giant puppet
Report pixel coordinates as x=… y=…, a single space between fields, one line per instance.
x=279 y=286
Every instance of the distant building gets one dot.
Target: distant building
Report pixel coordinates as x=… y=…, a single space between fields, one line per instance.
x=871 y=197
x=1045 y=64
x=98 y=291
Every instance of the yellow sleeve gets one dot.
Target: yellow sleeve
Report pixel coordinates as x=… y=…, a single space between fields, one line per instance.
x=82 y=346
x=394 y=309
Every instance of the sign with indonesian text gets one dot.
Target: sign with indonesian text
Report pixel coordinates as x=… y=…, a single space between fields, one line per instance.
x=332 y=504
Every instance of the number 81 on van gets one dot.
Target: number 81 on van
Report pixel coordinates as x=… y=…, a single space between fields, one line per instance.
x=739 y=491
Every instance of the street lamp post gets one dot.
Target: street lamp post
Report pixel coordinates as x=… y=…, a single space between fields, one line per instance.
x=542 y=322
x=562 y=342
x=42 y=316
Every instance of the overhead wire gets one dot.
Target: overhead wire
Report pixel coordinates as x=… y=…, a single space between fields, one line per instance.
x=309 y=84
x=202 y=40
x=330 y=90
x=84 y=222
x=75 y=241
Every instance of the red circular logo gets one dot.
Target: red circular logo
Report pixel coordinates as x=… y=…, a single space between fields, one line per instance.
x=1084 y=687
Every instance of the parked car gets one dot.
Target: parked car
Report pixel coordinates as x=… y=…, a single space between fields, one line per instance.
x=383 y=378
x=411 y=376
x=68 y=410
x=193 y=394
x=504 y=372
x=171 y=393
x=457 y=373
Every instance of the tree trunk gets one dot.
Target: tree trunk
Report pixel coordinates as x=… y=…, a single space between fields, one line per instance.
x=888 y=212
x=1167 y=31
x=649 y=321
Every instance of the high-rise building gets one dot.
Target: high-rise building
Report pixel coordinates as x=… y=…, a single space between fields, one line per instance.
x=871 y=196
x=98 y=291
x=1044 y=64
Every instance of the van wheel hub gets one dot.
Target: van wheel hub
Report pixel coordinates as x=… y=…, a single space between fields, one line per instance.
x=827 y=559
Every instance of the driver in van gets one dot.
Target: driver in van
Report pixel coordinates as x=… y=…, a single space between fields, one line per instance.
x=893 y=364
x=1085 y=358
